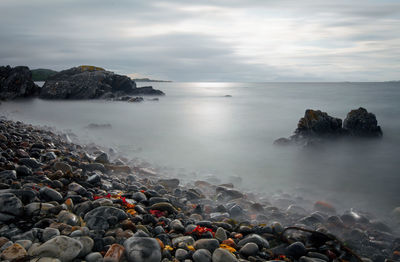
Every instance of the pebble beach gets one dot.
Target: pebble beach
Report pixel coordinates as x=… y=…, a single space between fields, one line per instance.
x=61 y=201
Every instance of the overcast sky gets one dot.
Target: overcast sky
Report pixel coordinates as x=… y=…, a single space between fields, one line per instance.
x=219 y=40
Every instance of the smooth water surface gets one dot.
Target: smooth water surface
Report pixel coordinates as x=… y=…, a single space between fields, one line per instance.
x=197 y=131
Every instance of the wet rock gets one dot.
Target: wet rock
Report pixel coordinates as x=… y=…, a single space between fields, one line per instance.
x=16 y=82
x=317 y=123
x=24 y=243
x=171 y=183
x=10 y=205
x=98 y=218
x=64 y=167
x=94 y=257
x=75 y=187
x=30 y=162
x=68 y=218
x=223 y=255
x=13 y=252
x=94 y=179
x=361 y=123
x=164 y=206
x=49 y=233
x=102 y=158
x=23 y=171
x=61 y=247
x=181 y=254
x=309 y=259
x=188 y=240
x=254 y=238
x=87 y=245
x=209 y=244
x=142 y=249
x=8 y=174
x=202 y=255
x=114 y=253
x=37 y=208
x=296 y=250
x=220 y=234
x=177 y=226
x=249 y=249
x=50 y=194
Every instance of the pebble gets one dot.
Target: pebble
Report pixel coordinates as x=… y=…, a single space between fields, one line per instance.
x=114 y=253
x=30 y=162
x=64 y=167
x=249 y=249
x=142 y=249
x=181 y=254
x=61 y=247
x=50 y=194
x=49 y=233
x=220 y=234
x=68 y=218
x=254 y=238
x=87 y=245
x=209 y=244
x=202 y=255
x=188 y=240
x=14 y=252
x=94 y=257
x=98 y=218
x=10 y=205
x=223 y=255
x=296 y=250
x=8 y=174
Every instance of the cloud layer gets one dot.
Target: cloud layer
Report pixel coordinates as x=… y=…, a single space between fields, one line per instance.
x=220 y=40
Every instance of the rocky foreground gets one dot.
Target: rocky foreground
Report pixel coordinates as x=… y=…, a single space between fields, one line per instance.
x=63 y=202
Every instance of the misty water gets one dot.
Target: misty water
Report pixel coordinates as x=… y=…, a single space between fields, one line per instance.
x=195 y=132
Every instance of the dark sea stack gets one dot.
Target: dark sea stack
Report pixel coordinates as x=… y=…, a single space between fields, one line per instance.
x=362 y=124
x=147 y=91
x=16 y=83
x=317 y=123
x=316 y=127
x=90 y=82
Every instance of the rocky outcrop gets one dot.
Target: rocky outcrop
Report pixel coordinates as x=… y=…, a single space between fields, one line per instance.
x=89 y=82
x=16 y=82
x=317 y=126
x=361 y=123
x=317 y=123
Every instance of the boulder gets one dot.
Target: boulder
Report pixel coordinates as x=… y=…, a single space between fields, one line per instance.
x=361 y=123
x=89 y=82
x=142 y=249
x=317 y=123
x=16 y=82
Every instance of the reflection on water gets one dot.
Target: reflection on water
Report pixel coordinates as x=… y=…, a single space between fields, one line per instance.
x=195 y=127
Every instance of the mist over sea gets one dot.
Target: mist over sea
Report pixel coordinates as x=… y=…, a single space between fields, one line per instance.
x=195 y=132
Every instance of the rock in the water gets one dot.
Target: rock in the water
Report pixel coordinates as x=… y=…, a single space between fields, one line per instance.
x=317 y=123
x=142 y=249
x=171 y=183
x=89 y=82
x=14 y=252
x=49 y=233
x=223 y=255
x=202 y=255
x=16 y=82
x=61 y=247
x=361 y=123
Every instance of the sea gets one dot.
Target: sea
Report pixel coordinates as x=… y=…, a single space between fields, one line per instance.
x=224 y=132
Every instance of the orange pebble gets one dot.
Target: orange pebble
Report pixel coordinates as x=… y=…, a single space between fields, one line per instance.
x=238 y=235
x=160 y=243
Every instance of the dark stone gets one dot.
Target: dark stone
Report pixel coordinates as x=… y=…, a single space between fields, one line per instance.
x=317 y=123
x=98 y=218
x=16 y=82
x=23 y=171
x=8 y=174
x=296 y=250
x=143 y=249
x=361 y=123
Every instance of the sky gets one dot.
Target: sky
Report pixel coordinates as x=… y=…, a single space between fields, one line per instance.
x=215 y=40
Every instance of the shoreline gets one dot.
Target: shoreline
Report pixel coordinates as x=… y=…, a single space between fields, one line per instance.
x=78 y=186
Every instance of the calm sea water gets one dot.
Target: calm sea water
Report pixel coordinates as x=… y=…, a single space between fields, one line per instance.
x=197 y=132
